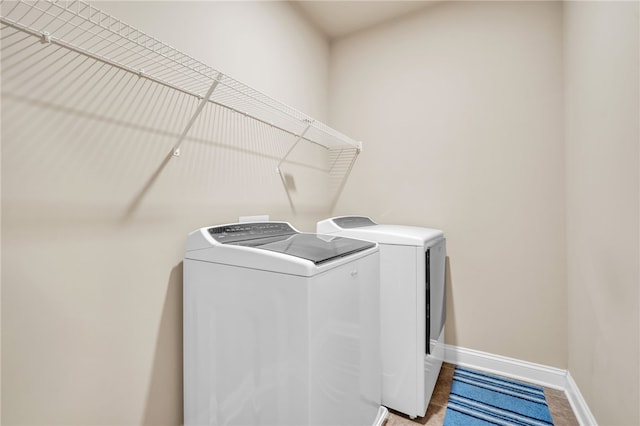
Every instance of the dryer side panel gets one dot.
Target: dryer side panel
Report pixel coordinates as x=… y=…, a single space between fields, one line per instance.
x=402 y=326
x=438 y=306
x=437 y=315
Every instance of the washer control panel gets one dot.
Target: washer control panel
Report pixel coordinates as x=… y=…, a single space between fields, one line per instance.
x=237 y=232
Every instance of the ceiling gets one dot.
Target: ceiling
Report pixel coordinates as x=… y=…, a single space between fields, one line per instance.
x=339 y=18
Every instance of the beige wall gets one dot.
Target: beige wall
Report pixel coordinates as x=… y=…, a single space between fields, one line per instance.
x=95 y=214
x=602 y=48
x=461 y=111
x=460 y=107
x=250 y=41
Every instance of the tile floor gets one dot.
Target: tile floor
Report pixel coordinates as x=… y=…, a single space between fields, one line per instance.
x=558 y=405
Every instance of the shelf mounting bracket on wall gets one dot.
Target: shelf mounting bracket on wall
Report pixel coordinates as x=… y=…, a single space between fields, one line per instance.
x=203 y=102
x=299 y=138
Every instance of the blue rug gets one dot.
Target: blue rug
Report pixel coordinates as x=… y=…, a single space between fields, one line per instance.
x=482 y=399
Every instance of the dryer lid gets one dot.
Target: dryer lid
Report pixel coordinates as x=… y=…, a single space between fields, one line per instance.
x=363 y=227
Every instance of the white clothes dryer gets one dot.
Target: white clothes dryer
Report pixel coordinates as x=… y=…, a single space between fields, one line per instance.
x=280 y=328
x=412 y=306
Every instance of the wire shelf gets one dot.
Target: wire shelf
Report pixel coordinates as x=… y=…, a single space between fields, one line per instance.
x=83 y=28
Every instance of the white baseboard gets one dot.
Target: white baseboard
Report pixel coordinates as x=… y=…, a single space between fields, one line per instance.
x=578 y=404
x=539 y=374
x=542 y=375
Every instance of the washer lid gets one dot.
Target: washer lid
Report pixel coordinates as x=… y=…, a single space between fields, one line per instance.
x=313 y=247
x=280 y=237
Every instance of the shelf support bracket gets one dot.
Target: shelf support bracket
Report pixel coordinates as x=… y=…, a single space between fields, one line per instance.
x=203 y=102
x=299 y=138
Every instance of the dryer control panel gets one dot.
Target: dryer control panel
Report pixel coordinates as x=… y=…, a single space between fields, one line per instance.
x=347 y=222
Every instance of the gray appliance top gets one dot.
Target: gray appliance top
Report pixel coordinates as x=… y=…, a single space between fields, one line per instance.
x=280 y=237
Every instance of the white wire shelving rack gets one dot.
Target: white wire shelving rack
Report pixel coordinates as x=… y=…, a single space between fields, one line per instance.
x=85 y=29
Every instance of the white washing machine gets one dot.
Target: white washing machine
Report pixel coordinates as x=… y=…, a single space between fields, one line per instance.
x=280 y=328
x=412 y=306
